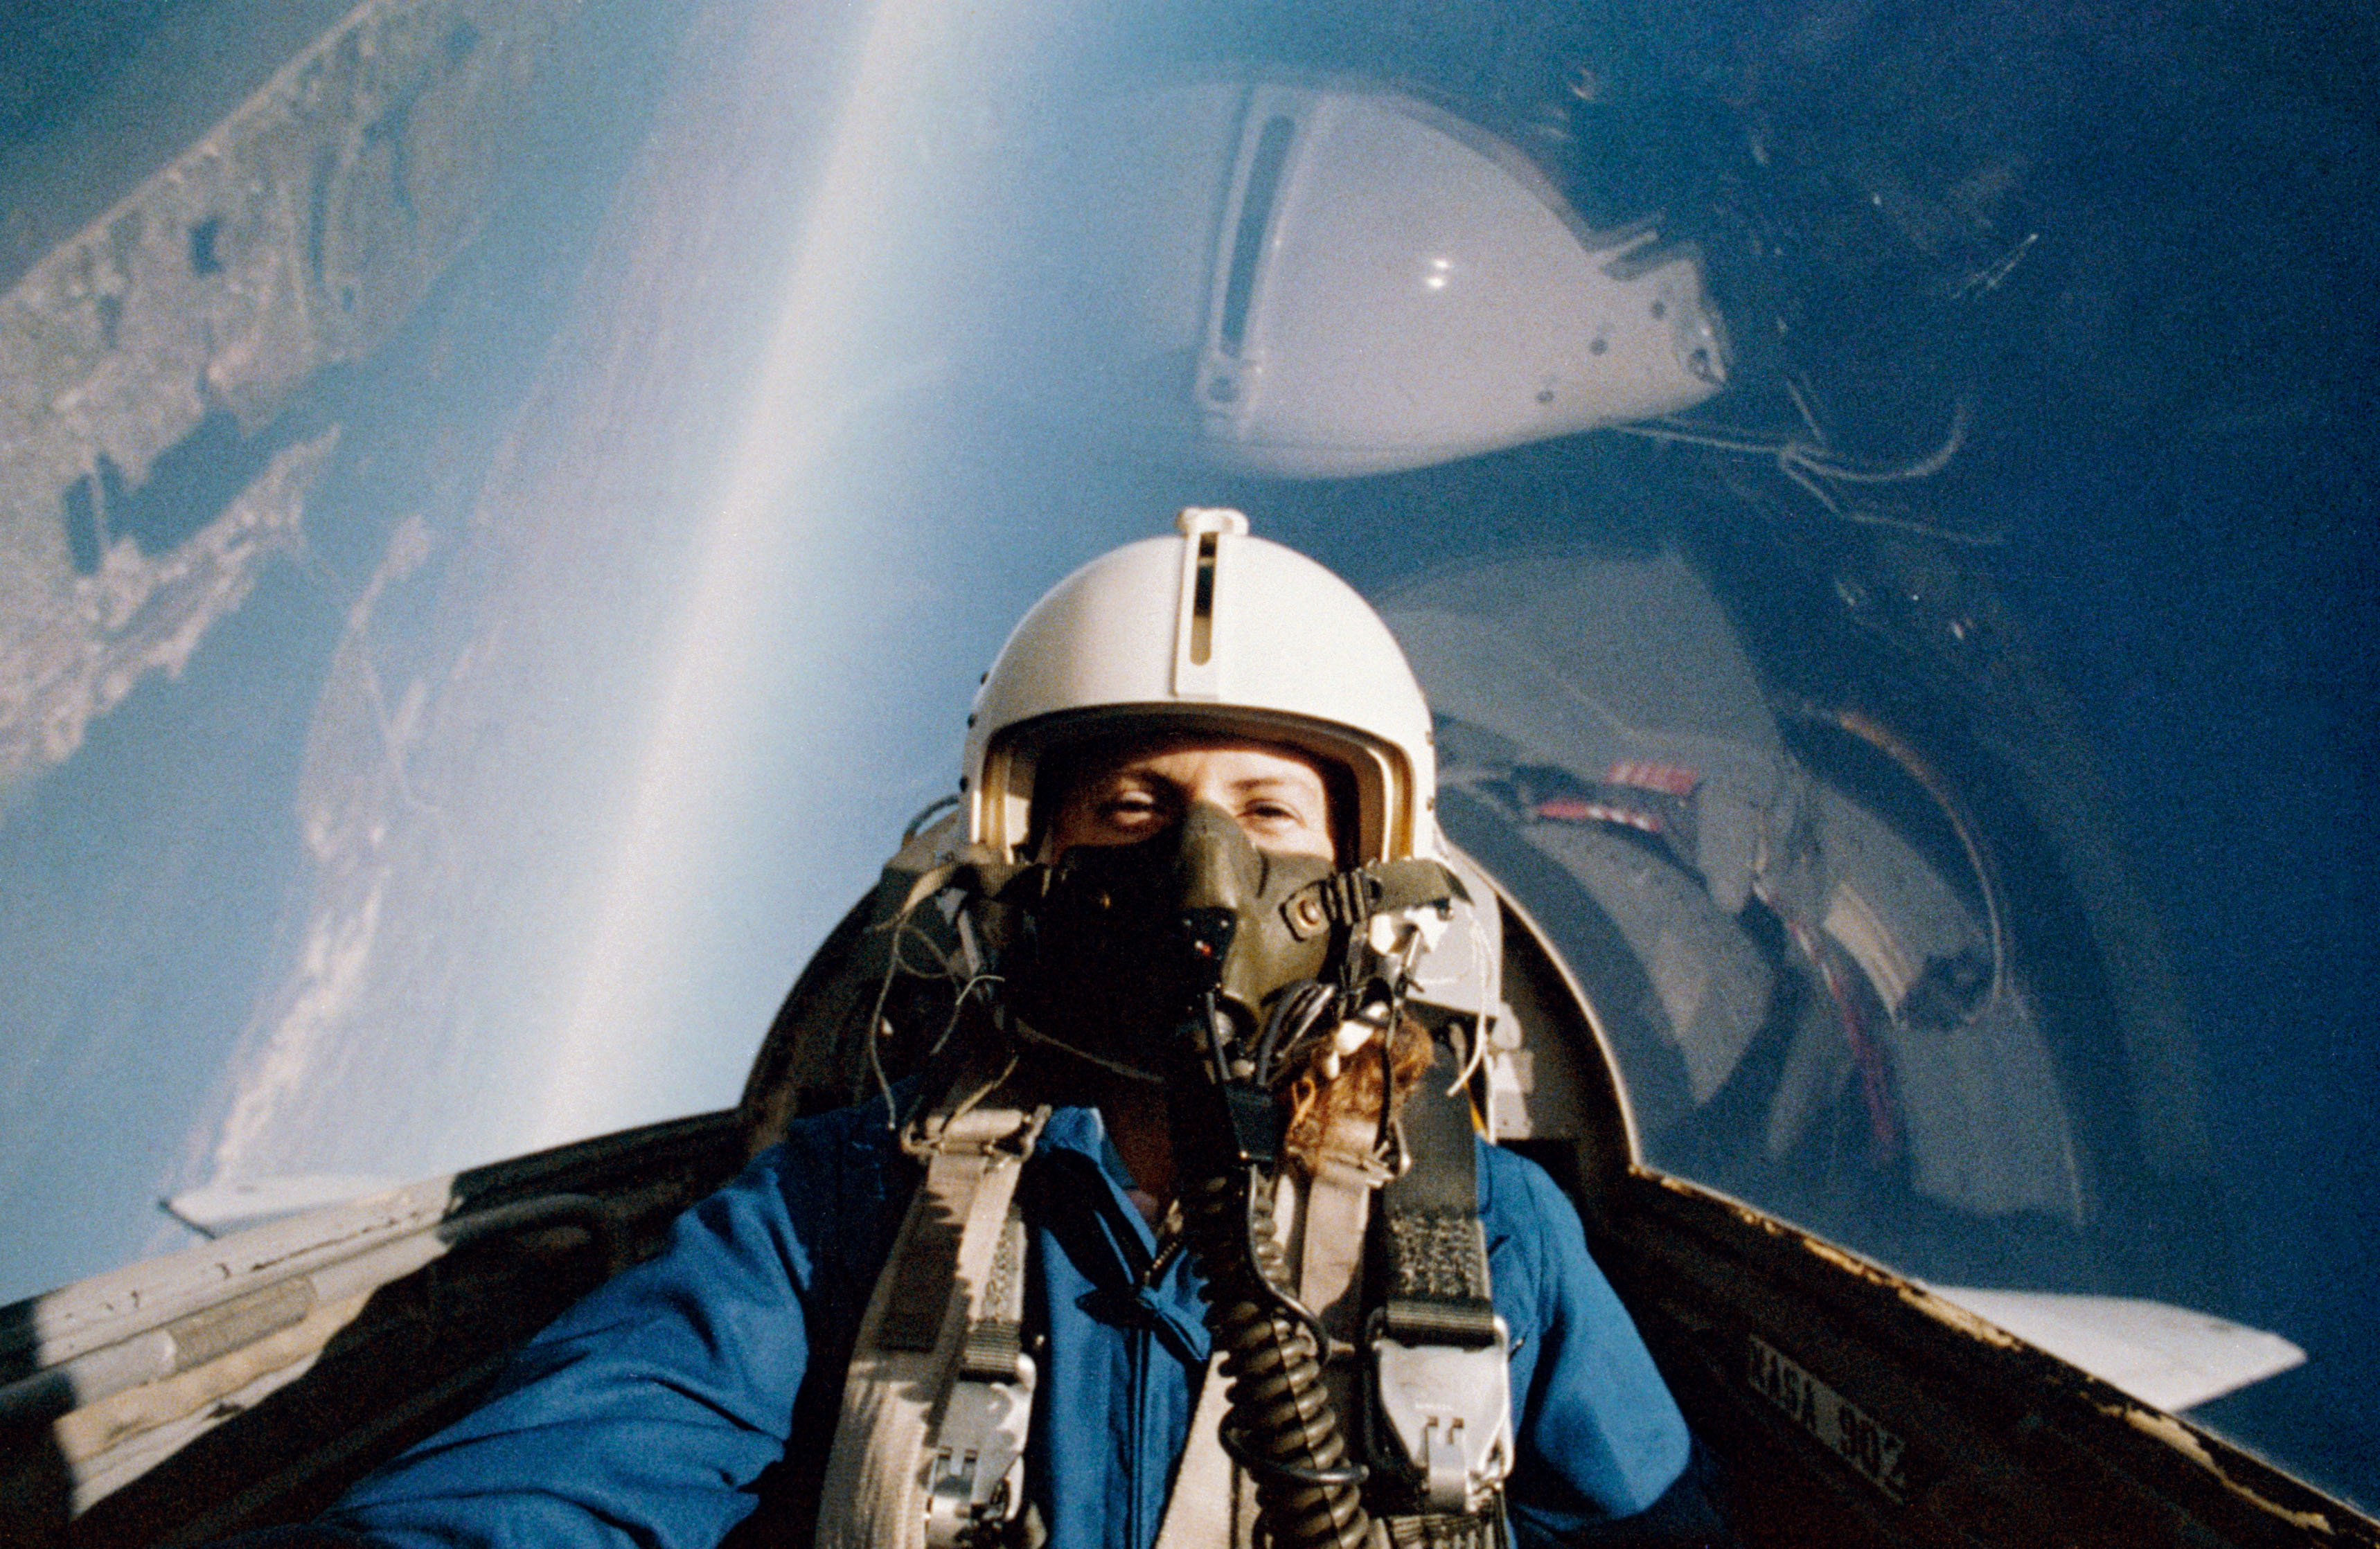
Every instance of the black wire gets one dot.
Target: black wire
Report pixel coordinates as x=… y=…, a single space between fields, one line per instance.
x=1216 y=1048
x=1301 y=1007
x=1345 y=1473
x=1297 y=1310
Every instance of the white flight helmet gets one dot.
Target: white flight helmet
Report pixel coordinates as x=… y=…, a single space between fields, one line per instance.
x=1213 y=630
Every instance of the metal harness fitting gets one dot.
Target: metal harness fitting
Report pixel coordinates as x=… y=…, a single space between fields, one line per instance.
x=1451 y=1408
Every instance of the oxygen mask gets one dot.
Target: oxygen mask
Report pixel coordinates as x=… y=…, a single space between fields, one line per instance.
x=1128 y=942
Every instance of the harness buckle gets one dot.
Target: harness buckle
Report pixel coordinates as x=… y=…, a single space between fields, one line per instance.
x=1451 y=1407
x=975 y=1476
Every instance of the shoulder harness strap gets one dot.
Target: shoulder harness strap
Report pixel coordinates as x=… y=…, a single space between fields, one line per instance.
x=929 y=1450
x=1442 y=1384
x=938 y=1399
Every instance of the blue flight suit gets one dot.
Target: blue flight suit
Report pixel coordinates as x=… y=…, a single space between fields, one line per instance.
x=647 y=1414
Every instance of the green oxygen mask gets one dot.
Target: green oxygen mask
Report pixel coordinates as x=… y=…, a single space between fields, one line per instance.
x=1118 y=954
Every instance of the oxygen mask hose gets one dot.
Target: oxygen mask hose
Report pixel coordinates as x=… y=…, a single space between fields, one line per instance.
x=1160 y=960
x=1280 y=1426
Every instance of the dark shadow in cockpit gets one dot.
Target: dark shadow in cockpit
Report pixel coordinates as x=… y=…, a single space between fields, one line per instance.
x=36 y=1487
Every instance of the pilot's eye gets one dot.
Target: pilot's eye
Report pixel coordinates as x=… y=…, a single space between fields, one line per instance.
x=1128 y=808
x=1274 y=816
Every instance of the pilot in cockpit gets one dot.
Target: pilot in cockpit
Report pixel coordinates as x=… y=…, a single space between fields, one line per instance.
x=1180 y=1231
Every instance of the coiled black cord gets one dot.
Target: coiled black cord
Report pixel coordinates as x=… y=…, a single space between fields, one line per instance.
x=1280 y=1426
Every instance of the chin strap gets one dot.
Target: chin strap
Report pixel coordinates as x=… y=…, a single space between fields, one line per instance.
x=1355 y=898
